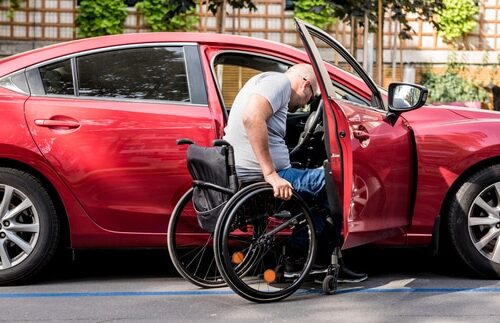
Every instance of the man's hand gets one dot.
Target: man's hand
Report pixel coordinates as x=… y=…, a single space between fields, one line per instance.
x=281 y=187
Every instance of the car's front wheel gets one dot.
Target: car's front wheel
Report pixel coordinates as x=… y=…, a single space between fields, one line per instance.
x=474 y=221
x=29 y=227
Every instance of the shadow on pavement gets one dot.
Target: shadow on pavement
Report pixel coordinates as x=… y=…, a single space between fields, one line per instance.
x=111 y=263
x=375 y=261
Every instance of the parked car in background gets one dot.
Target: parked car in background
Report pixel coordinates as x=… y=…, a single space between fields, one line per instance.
x=88 y=156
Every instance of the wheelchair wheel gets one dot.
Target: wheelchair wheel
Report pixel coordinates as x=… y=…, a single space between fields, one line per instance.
x=281 y=234
x=191 y=248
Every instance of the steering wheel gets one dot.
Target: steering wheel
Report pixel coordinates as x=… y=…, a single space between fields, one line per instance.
x=314 y=119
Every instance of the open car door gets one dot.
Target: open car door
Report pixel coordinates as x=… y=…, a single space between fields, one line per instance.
x=369 y=156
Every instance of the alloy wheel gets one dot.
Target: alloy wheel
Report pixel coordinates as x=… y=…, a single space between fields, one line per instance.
x=19 y=227
x=484 y=222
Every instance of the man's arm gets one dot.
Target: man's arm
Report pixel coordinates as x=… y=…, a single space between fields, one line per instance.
x=256 y=114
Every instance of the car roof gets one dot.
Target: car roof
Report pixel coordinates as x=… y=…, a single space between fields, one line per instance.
x=32 y=57
x=26 y=59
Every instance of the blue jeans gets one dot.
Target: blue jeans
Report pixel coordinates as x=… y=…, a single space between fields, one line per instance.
x=310 y=184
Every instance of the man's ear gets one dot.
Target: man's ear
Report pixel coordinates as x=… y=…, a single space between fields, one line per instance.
x=304 y=85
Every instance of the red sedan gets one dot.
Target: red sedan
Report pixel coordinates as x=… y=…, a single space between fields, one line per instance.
x=88 y=156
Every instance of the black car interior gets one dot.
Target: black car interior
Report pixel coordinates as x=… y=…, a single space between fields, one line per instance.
x=305 y=132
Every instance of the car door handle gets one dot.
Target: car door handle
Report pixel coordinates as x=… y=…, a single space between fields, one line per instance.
x=50 y=123
x=361 y=134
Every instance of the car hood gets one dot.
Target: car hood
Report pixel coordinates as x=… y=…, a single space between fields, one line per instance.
x=471 y=113
x=449 y=114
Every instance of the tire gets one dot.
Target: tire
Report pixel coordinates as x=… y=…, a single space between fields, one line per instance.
x=29 y=227
x=329 y=285
x=263 y=224
x=474 y=222
x=190 y=248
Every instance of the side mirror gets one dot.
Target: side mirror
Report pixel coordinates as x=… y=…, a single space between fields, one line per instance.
x=405 y=97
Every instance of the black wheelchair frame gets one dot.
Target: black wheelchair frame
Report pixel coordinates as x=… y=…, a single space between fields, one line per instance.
x=263 y=247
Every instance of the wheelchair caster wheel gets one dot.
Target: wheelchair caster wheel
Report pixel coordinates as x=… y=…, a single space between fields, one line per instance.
x=329 y=285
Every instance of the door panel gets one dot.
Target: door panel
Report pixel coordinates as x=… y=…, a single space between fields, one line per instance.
x=121 y=160
x=382 y=179
x=370 y=159
x=337 y=143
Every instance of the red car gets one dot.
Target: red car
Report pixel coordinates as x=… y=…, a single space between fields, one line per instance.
x=88 y=154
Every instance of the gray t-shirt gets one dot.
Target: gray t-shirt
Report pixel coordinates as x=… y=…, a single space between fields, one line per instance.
x=276 y=88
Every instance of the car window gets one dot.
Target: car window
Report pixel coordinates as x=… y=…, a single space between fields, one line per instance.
x=332 y=57
x=153 y=73
x=15 y=82
x=57 y=78
x=233 y=70
x=346 y=95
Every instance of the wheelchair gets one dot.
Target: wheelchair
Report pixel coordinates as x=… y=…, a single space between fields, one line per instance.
x=225 y=231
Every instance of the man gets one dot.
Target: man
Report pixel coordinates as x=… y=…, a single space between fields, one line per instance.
x=256 y=129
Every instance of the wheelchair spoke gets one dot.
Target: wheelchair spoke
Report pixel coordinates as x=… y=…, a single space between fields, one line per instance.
x=190 y=247
x=191 y=251
x=273 y=233
x=210 y=267
x=202 y=251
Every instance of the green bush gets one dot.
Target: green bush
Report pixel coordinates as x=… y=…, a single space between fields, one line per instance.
x=154 y=12
x=451 y=87
x=103 y=17
x=457 y=19
x=316 y=12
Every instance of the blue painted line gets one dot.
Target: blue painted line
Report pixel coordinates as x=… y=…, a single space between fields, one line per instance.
x=114 y=294
x=228 y=292
x=416 y=290
x=425 y=290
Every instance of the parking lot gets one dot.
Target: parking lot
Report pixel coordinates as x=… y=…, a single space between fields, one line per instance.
x=108 y=286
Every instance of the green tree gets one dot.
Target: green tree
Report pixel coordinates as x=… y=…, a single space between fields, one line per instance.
x=316 y=12
x=456 y=19
x=398 y=9
x=13 y=5
x=354 y=12
x=214 y=6
x=98 y=18
x=154 y=12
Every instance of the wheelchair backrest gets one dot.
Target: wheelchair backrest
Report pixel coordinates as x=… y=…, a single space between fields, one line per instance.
x=209 y=169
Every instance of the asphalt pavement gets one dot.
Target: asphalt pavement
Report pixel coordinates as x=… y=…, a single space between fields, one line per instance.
x=141 y=286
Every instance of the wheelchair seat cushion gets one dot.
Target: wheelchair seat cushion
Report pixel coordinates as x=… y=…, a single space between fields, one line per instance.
x=208 y=164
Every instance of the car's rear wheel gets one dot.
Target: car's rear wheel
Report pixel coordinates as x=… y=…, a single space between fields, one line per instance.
x=474 y=221
x=29 y=227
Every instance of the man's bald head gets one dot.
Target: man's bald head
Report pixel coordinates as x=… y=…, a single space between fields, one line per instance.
x=305 y=71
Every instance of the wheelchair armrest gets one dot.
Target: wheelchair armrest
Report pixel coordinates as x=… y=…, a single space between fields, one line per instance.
x=184 y=141
x=220 y=142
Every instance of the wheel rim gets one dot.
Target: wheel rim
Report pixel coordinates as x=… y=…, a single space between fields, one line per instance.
x=253 y=285
x=19 y=227
x=484 y=222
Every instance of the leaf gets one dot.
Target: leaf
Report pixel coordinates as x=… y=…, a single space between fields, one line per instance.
x=97 y=18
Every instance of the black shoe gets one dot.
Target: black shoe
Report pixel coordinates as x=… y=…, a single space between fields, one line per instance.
x=318 y=269
x=294 y=265
x=348 y=276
